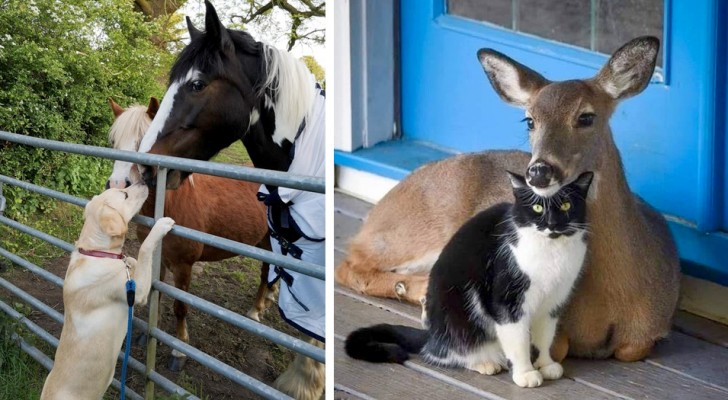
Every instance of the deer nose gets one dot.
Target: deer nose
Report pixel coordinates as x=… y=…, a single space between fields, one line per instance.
x=540 y=174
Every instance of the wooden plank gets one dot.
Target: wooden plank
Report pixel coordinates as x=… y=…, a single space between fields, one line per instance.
x=351 y=206
x=693 y=357
x=390 y=381
x=640 y=380
x=409 y=310
x=345 y=227
x=352 y=314
x=345 y=393
x=701 y=328
x=704 y=298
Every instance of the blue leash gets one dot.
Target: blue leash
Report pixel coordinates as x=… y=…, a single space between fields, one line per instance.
x=130 y=291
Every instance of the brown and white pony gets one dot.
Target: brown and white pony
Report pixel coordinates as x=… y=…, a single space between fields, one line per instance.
x=203 y=203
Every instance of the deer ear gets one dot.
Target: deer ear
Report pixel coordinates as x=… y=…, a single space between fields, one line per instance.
x=584 y=181
x=517 y=181
x=115 y=108
x=194 y=32
x=514 y=82
x=630 y=68
x=111 y=222
x=153 y=107
x=216 y=30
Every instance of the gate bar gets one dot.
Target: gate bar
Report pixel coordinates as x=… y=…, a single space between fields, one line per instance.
x=277 y=178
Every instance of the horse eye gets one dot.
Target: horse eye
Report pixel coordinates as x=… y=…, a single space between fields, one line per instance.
x=197 y=85
x=566 y=206
x=538 y=208
x=529 y=123
x=585 y=120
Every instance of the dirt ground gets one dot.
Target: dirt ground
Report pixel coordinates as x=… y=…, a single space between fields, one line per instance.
x=231 y=284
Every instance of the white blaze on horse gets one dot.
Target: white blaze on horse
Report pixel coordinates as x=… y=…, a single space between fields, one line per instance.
x=219 y=206
x=226 y=86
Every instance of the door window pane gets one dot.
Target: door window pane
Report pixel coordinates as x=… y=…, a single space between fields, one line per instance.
x=598 y=25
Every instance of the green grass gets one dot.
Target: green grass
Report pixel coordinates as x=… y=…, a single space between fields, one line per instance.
x=235 y=154
x=21 y=377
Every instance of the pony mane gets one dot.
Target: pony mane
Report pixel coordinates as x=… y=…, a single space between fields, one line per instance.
x=293 y=88
x=130 y=126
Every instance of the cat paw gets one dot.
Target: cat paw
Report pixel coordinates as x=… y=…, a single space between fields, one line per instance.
x=400 y=289
x=487 y=368
x=552 y=371
x=528 y=379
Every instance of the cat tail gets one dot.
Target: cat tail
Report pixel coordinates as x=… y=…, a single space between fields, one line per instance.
x=385 y=343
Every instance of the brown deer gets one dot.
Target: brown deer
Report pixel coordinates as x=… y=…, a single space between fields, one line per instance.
x=629 y=288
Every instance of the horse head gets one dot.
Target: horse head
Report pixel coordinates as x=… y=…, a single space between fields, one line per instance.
x=226 y=86
x=126 y=133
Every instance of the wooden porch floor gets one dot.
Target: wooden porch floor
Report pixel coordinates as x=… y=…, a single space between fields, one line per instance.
x=691 y=364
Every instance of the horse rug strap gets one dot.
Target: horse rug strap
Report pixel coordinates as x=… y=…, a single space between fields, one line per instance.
x=297 y=220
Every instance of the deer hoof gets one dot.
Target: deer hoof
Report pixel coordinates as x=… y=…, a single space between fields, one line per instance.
x=400 y=289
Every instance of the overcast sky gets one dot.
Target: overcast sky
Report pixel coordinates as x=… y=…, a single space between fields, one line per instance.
x=277 y=37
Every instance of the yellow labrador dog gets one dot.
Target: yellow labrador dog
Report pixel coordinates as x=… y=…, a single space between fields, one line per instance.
x=94 y=295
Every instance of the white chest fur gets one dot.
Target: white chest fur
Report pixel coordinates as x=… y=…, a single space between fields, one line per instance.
x=552 y=266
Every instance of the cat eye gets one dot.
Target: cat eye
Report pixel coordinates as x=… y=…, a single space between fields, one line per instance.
x=565 y=206
x=538 y=208
x=529 y=123
x=585 y=120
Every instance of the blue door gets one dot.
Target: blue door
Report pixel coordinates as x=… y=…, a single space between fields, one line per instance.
x=672 y=136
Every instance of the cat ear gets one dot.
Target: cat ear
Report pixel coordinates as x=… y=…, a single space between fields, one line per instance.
x=518 y=181
x=584 y=181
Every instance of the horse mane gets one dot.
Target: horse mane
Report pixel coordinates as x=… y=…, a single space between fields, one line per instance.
x=130 y=126
x=293 y=87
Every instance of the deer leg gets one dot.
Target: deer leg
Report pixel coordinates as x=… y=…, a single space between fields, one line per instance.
x=560 y=347
x=631 y=352
x=182 y=278
x=366 y=279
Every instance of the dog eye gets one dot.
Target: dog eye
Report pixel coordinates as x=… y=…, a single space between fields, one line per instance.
x=538 y=208
x=585 y=120
x=565 y=206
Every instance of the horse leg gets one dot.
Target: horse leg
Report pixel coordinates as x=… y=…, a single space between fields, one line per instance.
x=262 y=298
x=182 y=278
x=305 y=378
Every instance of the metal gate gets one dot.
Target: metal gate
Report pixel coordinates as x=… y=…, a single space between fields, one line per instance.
x=153 y=332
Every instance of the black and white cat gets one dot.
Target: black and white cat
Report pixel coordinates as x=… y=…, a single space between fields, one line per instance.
x=497 y=287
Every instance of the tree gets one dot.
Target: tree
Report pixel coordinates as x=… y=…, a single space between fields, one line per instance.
x=59 y=61
x=300 y=15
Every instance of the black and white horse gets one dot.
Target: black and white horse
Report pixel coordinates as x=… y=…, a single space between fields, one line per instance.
x=226 y=86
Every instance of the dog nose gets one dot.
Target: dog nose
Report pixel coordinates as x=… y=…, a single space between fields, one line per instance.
x=540 y=174
x=128 y=183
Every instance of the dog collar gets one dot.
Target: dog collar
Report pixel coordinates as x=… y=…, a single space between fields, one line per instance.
x=101 y=254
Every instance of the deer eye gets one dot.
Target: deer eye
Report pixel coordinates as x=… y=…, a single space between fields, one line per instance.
x=529 y=123
x=585 y=120
x=197 y=85
x=537 y=208
x=565 y=206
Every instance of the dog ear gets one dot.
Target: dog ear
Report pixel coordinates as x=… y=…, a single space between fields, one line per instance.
x=111 y=222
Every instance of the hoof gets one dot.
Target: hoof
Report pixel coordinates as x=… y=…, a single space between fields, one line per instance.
x=141 y=340
x=253 y=314
x=400 y=289
x=528 y=379
x=633 y=352
x=177 y=363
